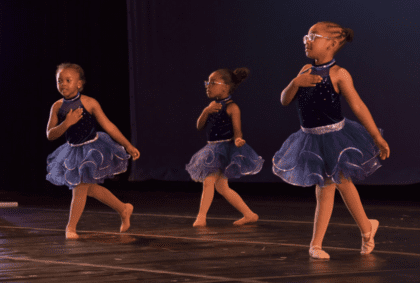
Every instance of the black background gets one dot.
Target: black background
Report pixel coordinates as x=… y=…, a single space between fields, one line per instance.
x=177 y=45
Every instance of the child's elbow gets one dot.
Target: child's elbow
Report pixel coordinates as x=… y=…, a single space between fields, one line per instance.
x=50 y=137
x=284 y=102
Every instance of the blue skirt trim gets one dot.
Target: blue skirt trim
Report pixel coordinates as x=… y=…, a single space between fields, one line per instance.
x=224 y=157
x=311 y=159
x=91 y=162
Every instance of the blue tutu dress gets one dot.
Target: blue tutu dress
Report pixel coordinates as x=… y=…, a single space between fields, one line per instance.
x=220 y=154
x=327 y=145
x=88 y=156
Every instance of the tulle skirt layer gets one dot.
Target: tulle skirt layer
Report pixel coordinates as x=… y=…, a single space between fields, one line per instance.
x=311 y=159
x=224 y=157
x=91 y=162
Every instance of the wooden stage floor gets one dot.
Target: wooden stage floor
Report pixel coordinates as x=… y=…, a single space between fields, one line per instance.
x=162 y=245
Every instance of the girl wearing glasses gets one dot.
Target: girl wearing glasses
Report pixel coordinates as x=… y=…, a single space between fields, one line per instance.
x=226 y=154
x=330 y=150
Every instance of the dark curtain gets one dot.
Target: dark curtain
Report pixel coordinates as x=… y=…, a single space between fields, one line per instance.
x=35 y=37
x=175 y=45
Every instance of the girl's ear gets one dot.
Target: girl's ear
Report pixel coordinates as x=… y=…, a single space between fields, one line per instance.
x=335 y=42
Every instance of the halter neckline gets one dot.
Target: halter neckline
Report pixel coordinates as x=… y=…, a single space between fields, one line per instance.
x=224 y=100
x=326 y=65
x=74 y=98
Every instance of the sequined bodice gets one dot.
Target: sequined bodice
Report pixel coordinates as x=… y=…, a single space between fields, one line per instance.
x=84 y=130
x=320 y=105
x=219 y=125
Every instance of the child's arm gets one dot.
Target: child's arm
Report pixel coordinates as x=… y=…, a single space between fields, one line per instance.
x=235 y=113
x=54 y=131
x=346 y=87
x=110 y=128
x=302 y=80
x=212 y=108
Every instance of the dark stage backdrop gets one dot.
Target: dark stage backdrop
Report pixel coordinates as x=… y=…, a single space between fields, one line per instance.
x=175 y=45
x=36 y=36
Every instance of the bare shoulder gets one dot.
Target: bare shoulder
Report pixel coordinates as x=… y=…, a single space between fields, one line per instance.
x=339 y=73
x=87 y=99
x=232 y=107
x=56 y=105
x=89 y=103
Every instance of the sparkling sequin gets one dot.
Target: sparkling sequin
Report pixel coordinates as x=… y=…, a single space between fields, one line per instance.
x=220 y=140
x=324 y=129
x=86 y=142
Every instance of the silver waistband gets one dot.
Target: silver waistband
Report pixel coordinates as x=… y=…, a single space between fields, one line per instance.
x=324 y=129
x=220 y=141
x=86 y=142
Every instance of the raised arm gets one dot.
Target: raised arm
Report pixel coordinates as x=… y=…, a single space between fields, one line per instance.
x=302 y=80
x=212 y=108
x=55 y=131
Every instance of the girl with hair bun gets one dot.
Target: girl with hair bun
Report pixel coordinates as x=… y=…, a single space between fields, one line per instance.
x=330 y=150
x=226 y=154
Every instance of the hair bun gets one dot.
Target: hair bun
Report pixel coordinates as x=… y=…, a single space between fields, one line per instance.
x=348 y=34
x=241 y=74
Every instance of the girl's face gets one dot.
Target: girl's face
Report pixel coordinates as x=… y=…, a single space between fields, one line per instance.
x=217 y=88
x=68 y=82
x=321 y=45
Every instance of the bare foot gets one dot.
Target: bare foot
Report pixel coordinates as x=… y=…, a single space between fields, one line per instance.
x=246 y=219
x=70 y=235
x=125 y=217
x=200 y=222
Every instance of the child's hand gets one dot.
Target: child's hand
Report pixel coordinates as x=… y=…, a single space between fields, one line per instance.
x=74 y=116
x=214 y=107
x=134 y=152
x=383 y=147
x=239 y=142
x=307 y=79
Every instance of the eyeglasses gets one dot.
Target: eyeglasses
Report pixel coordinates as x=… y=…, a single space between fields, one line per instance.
x=207 y=83
x=311 y=37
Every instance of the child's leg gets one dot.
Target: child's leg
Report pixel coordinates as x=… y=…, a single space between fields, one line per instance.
x=234 y=199
x=367 y=227
x=324 y=208
x=352 y=200
x=105 y=196
x=77 y=206
x=206 y=200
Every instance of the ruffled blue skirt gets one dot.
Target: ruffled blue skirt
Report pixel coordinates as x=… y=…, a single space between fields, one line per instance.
x=224 y=157
x=91 y=162
x=310 y=159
